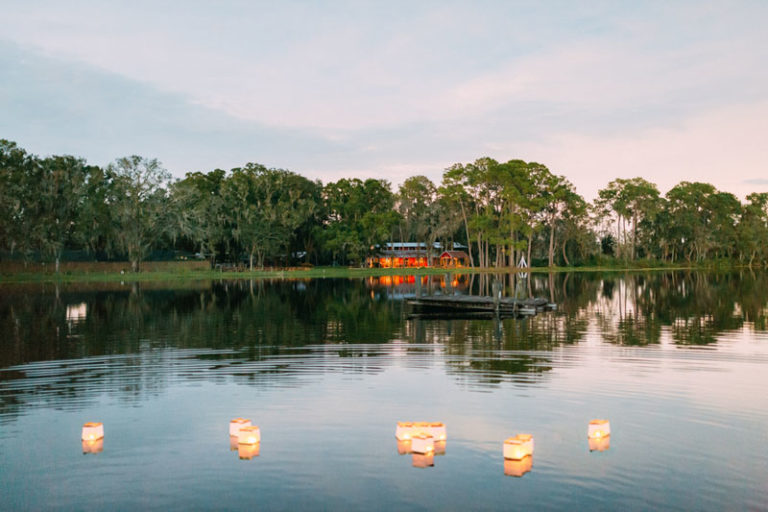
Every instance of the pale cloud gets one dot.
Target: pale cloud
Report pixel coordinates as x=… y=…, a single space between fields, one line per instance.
x=667 y=91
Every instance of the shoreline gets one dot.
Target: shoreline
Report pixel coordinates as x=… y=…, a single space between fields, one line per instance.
x=186 y=274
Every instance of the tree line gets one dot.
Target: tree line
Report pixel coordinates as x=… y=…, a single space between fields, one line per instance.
x=499 y=211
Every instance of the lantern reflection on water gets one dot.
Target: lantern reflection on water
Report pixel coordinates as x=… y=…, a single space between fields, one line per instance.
x=598 y=429
x=422 y=443
x=599 y=444
x=440 y=447
x=94 y=446
x=517 y=447
x=518 y=467
x=92 y=431
x=248 y=451
x=233 y=444
x=423 y=460
x=236 y=424
x=249 y=435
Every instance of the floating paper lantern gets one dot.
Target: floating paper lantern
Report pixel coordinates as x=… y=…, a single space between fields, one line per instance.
x=440 y=447
x=599 y=444
x=249 y=435
x=423 y=460
x=248 y=451
x=92 y=431
x=527 y=440
x=404 y=430
x=236 y=424
x=515 y=448
x=599 y=429
x=519 y=467
x=422 y=443
x=437 y=430
x=403 y=447
x=95 y=446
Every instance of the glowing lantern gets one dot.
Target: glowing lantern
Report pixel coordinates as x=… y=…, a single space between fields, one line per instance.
x=437 y=430
x=439 y=447
x=422 y=443
x=403 y=447
x=527 y=440
x=404 y=430
x=518 y=467
x=517 y=447
x=92 y=431
x=95 y=446
x=248 y=451
x=599 y=429
x=599 y=444
x=236 y=424
x=249 y=435
x=423 y=460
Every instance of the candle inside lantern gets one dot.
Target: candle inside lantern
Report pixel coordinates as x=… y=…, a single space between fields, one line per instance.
x=423 y=460
x=403 y=447
x=92 y=431
x=248 y=451
x=519 y=467
x=599 y=444
x=236 y=424
x=422 y=443
x=404 y=430
x=598 y=429
x=249 y=435
x=437 y=430
x=519 y=446
x=95 y=446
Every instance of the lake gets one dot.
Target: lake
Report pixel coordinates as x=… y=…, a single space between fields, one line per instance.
x=676 y=361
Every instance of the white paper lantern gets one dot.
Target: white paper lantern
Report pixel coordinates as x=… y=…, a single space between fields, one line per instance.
x=422 y=443
x=236 y=424
x=249 y=435
x=92 y=431
x=598 y=429
x=437 y=430
x=404 y=430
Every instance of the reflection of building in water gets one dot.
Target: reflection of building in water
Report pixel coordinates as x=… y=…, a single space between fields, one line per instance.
x=93 y=446
x=519 y=467
x=599 y=444
x=76 y=312
x=398 y=287
x=415 y=254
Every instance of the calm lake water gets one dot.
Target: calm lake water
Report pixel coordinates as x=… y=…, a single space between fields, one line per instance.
x=678 y=362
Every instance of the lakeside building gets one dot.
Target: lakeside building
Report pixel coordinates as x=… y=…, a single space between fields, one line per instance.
x=415 y=254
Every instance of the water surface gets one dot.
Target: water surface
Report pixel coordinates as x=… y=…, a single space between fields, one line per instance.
x=678 y=362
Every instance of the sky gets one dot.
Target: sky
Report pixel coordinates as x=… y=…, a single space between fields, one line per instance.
x=669 y=91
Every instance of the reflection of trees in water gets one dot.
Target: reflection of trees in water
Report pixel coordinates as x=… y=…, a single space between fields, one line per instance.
x=695 y=307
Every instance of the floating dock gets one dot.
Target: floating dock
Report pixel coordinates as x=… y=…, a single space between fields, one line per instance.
x=479 y=306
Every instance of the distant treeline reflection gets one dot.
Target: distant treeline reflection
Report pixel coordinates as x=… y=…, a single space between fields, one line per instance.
x=286 y=332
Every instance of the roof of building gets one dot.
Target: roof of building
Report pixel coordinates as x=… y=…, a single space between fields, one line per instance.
x=459 y=255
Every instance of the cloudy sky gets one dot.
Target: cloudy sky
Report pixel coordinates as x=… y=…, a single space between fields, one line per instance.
x=669 y=91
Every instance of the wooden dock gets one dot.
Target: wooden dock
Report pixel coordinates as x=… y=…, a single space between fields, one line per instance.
x=477 y=306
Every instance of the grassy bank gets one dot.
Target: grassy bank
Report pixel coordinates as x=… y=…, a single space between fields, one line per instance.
x=197 y=270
